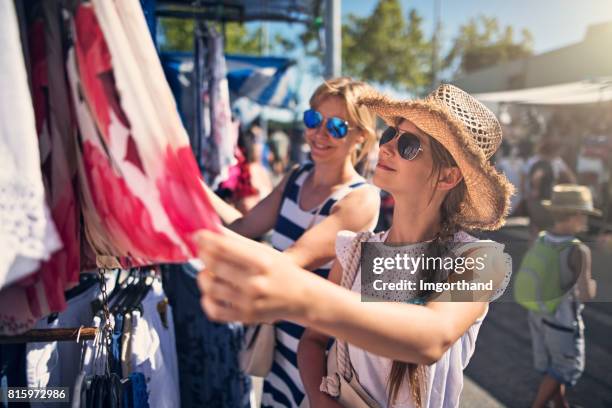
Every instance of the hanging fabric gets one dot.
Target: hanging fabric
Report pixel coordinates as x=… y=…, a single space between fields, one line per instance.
x=141 y=191
x=207 y=351
x=57 y=364
x=27 y=234
x=219 y=146
x=57 y=146
x=23 y=224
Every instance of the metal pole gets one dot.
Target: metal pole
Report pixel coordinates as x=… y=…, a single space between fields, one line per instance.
x=333 y=39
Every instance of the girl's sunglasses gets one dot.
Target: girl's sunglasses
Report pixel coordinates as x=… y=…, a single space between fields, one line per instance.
x=408 y=144
x=337 y=128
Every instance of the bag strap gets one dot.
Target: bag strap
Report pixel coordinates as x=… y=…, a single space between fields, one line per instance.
x=348 y=277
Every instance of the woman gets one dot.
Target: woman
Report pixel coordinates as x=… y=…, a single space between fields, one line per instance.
x=309 y=207
x=434 y=162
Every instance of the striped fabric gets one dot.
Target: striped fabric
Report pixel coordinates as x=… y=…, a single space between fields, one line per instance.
x=283 y=386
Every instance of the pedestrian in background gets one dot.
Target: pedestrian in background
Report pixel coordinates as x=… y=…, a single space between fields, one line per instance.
x=552 y=283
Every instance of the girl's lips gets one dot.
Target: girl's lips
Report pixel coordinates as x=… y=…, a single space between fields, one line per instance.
x=382 y=166
x=319 y=147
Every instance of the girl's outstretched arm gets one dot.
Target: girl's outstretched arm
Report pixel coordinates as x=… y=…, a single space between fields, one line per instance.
x=251 y=282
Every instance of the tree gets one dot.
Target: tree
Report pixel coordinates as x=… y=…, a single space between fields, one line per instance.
x=384 y=47
x=387 y=48
x=482 y=43
x=178 y=36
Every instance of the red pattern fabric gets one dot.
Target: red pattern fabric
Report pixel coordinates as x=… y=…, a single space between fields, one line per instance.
x=149 y=226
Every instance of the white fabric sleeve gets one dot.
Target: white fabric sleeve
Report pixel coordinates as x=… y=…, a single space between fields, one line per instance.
x=343 y=246
x=494 y=251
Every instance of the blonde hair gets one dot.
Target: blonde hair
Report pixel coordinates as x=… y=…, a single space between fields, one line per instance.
x=350 y=91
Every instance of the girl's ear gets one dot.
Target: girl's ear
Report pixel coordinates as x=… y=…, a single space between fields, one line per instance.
x=449 y=178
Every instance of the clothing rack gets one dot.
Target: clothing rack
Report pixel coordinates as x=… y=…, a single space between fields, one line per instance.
x=47 y=335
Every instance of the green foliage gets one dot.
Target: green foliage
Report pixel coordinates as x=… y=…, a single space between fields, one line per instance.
x=178 y=36
x=482 y=43
x=388 y=48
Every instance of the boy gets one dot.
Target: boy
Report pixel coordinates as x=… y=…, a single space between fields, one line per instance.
x=553 y=281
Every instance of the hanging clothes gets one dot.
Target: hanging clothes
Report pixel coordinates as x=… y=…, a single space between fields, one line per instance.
x=57 y=364
x=142 y=353
x=12 y=369
x=59 y=158
x=218 y=146
x=56 y=141
x=23 y=224
x=207 y=352
x=180 y=74
x=153 y=349
x=142 y=197
x=203 y=101
x=27 y=233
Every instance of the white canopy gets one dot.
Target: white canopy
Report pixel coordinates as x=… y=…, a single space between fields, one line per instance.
x=571 y=93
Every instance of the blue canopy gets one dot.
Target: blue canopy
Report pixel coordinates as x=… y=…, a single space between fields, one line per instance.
x=263 y=80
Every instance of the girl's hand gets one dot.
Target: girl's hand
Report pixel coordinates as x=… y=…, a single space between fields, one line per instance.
x=248 y=281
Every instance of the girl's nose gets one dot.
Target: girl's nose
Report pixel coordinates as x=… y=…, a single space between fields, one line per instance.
x=388 y=148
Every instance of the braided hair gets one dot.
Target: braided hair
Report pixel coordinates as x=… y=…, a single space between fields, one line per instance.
x=437 y=248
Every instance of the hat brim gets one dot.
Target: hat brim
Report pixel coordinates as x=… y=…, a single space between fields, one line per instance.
x=568 y=208
x=488 y=192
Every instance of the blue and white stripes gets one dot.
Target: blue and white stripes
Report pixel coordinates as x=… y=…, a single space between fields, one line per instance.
x=283 y=386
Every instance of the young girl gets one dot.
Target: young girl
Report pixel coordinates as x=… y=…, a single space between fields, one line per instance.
x=434 y=162
x=309 y=207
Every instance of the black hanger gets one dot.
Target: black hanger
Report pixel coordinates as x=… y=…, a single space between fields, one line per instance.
x=125 y=290
x=141 y=291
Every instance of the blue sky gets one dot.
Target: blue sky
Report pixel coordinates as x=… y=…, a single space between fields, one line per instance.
x=553 y=23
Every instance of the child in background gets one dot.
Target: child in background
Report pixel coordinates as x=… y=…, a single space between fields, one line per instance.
x=553 y=281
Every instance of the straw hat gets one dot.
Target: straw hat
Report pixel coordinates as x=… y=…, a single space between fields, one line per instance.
x=471 y=134
x=571 y=198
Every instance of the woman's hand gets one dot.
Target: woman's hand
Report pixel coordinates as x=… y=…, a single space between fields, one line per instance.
x=248 y=281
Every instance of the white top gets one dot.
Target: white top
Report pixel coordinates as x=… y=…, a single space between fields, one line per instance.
x=445 y=377
x=27 y=235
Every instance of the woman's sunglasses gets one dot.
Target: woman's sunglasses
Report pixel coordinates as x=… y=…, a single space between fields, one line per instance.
x=337 y=128
x=408 y=144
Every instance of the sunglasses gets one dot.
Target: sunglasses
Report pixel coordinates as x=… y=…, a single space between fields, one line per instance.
x=337 y=128
x=408 y=144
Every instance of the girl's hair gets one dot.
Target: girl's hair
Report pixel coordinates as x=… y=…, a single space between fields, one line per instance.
x=449 y=209
x=350 y=91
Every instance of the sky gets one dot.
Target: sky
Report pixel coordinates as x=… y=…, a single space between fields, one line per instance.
x=553 y=23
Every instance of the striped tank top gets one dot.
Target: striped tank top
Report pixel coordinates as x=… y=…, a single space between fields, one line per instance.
x=283 y=385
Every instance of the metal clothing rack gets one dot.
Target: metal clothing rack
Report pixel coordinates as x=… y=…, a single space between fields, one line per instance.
x=76 y=334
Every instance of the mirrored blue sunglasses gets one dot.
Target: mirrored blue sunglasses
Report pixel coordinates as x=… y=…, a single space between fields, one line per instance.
x=337 y=128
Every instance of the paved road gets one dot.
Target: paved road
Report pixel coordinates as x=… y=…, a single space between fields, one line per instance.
x=502 y=364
